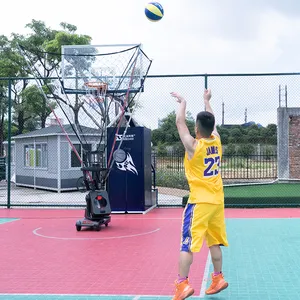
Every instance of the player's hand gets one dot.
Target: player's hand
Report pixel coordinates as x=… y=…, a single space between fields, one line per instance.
x=207 y=95
x=178 y=97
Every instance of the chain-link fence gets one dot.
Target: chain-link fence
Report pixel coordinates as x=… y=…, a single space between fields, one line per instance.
x=249 y=110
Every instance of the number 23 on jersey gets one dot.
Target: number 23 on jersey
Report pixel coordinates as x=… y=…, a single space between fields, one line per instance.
x=212 y=166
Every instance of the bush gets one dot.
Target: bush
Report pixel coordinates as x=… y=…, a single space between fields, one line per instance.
x=178 y=148
x=234 y=163
x=246 y=150
x=171 y=179
x=269 y=152
x=230 y=150
x=161 y=150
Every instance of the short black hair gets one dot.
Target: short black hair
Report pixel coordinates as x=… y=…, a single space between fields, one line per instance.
x=205 y=123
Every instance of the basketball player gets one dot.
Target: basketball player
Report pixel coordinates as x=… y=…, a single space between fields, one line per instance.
x=203 y=217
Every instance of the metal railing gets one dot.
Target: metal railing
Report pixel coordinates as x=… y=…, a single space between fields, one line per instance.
x=234 y=168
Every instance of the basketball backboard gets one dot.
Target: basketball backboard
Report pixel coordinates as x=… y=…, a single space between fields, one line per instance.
x=120 y=66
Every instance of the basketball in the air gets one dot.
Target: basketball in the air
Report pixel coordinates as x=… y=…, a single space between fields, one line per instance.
x=154 y=11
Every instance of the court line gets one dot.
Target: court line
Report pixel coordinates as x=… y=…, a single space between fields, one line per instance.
x=205 y=276
x=101 y=238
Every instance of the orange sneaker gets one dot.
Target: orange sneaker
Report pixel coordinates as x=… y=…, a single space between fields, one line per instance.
x=218 y=284
x=183 y=290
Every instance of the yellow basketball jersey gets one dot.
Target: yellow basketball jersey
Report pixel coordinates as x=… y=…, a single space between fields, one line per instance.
x=203 y=172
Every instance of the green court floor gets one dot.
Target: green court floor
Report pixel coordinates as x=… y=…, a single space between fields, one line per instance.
x=266 y=190
x=263 y=195
x=261 y=263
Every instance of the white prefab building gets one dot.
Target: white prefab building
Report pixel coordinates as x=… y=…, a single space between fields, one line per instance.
x=44 y=158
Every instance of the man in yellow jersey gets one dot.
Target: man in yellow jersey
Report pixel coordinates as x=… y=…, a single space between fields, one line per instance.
x=203 y=217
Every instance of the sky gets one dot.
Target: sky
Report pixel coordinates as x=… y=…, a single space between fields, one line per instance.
x=194 y=37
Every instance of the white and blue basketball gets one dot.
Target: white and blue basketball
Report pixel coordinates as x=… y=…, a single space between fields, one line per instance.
x=154 y=11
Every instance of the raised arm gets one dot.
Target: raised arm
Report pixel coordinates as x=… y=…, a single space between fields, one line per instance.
x=185 y=136
x=207 y=97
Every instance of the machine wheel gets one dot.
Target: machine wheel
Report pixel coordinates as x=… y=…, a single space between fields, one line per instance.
x=78 y=227
x=97 y=227
x=106 y=224
x=80 y=185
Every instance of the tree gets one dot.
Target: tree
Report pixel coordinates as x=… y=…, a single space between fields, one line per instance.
x=29 y=107
x=36 y=103
x=236 y=134
x=224 y=134
x=3 y=107
x=45 y=48
x=272 y=129
x=11 y=65
x=253 y=134
x=272 y=134
x=230 y=150
x=246 y=150
x=167 y=133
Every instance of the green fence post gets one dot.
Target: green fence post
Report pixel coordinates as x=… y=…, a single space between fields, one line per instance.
x=9 y=145
x=205 y=84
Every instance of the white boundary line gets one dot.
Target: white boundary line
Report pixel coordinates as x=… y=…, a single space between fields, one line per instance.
x=149 y=209
x=103 y=238
x=205 y=276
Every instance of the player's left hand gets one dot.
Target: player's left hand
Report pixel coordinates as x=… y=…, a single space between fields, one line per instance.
x=178 y=97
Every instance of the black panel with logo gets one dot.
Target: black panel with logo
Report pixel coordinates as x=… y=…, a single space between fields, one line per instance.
x=129 y=183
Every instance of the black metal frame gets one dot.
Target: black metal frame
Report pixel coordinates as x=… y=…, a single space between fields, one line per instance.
x=108 y=92
x=96 y=168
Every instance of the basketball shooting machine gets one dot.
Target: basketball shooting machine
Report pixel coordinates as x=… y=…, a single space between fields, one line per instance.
x=97 y=93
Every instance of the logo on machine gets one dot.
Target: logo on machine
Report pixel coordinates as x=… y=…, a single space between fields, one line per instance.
x=124 y=161
x=127 y=137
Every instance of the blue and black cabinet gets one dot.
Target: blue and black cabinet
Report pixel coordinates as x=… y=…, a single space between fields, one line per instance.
x=129 y=184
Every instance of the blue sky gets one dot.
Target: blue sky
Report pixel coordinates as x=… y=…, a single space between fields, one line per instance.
x=195 y=36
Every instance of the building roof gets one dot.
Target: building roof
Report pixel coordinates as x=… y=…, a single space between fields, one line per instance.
x=55 y=130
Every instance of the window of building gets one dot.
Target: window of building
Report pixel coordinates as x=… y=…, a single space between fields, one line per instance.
x=41 y=155
x=36 y=156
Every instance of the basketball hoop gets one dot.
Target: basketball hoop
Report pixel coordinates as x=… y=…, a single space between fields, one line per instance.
x=97 y=90
x=96 y=85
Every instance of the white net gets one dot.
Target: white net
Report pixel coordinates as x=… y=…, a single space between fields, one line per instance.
x=98 y=88
x=118 y=66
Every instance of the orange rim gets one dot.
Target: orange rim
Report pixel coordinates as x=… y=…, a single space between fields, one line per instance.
x=96 y=85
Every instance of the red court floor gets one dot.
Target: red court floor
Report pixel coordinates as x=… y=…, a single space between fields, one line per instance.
x=42 y=252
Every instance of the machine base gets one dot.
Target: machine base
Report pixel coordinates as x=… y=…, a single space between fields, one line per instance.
x=94 y=224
